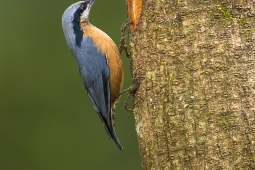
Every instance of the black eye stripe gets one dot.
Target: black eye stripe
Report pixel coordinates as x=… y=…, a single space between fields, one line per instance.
x=83 y=6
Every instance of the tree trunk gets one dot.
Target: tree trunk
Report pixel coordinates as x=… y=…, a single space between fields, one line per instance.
x=195 y=61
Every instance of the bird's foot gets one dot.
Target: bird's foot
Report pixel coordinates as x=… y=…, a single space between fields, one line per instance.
x=132 y=89
x=123 y=45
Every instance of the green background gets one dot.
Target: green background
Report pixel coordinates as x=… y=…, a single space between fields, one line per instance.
x=46 y=119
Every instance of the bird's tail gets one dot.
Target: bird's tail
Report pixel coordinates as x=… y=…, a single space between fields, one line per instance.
x=112 y=131
x=112 y=134
x=115 y=138
x=109 y=127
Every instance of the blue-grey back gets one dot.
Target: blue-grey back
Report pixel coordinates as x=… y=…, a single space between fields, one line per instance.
x=91 y=62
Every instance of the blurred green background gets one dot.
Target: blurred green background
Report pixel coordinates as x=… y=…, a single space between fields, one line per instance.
x=46 y=119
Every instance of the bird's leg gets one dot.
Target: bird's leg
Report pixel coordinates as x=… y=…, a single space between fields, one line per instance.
x=123 y=45
x=135 y=83
x=132 y=89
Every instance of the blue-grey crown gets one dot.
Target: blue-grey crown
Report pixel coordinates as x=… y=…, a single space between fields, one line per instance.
x=69 y=13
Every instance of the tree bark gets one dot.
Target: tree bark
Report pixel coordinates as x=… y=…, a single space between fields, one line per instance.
x=195 y=61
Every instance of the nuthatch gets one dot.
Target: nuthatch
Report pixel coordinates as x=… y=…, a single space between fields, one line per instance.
x=98 y=60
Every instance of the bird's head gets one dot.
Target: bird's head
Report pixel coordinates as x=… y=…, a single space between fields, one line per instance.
x=85 y=7
x=77 y=12
x=72 y=18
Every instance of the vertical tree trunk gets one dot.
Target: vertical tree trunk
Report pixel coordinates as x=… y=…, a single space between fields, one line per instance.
x=195 y=105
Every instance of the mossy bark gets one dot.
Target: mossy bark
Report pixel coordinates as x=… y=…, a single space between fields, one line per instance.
x=195 y=60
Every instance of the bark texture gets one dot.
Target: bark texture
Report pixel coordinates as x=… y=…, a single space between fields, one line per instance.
x=195 y=60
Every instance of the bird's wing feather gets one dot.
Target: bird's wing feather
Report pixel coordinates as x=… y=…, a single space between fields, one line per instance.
x=99 y=94
x=95 y=74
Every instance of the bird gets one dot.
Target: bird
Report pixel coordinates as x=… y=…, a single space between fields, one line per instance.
x=98 y=60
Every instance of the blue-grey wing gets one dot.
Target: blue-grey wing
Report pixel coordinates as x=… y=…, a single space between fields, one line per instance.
x=95 y=74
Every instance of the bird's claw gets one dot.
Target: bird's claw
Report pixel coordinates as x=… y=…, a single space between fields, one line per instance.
x=132 y=89
x=123 y=45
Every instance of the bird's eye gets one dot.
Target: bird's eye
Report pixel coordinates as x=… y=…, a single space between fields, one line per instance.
x=83 y=5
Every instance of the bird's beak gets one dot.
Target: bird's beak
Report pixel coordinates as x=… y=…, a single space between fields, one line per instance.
x=91 y=2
